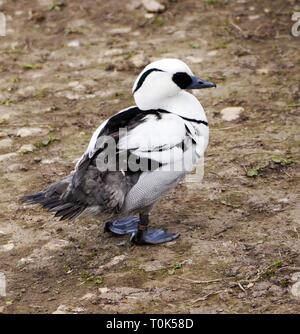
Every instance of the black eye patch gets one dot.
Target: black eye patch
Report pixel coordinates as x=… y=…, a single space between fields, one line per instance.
x=182 y=79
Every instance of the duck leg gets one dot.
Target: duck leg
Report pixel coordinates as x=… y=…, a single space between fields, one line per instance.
x=143 y=235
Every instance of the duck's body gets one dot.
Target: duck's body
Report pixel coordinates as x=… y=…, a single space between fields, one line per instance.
x=136 y=156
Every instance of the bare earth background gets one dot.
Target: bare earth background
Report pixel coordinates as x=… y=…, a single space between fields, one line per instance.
x=67 y=65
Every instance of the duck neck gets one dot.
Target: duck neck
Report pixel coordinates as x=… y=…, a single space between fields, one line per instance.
x=185 y=105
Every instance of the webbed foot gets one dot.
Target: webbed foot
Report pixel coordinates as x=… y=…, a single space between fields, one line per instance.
x=139 y=231
x=152 y=237
x=122 y=226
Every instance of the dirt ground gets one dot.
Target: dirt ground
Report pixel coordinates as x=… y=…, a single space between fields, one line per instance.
x=67 y=65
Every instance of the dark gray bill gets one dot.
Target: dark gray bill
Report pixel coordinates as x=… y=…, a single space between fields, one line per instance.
x=198 y=83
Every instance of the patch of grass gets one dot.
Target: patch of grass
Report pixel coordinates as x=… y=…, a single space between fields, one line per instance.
x=194 y=45
x=281 y=161
x=294 y=105
x=119 y=94
x=40 y=93
x=277 y=264
x=70 y=31
x=15 y=51
x=276 y=163
x=213 y=2
x=272 y=269
x=221 y=45
x=210 y=78
x=6 y=102
x=98 y=280
x=67 y=269
x=57 y=6
x=16 y=80
x=284 y=283
x=253 y=171
x=86 y=277
x=175 y=267
x=129 y=54
x=159 y=21
x=29 y=67
x=46 y=142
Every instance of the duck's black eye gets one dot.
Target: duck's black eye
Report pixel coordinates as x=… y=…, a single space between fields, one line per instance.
x=182 y=79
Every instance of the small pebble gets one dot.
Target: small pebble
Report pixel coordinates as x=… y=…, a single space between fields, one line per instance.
x=253 y=17
x=295 y=289
x=296 y=276
x=8 y=247
x=74 y=44
x=4 y=118
x=120 y=31
x=134 y=4
x=2 y=285
x=231 y=113
x=262 y=71
x=26 y=132
x=153 y=6
x=88 y=296
x=113 y=262
x=139 y=60
x=16 y=167
x=103 y=290
x=26 y=148
x=62 y=309
x=7 y=156
x=6 y=143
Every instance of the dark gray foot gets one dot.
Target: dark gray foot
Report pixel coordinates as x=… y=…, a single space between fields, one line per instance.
x=139 y=231
x=122 y=226
x=152 y=237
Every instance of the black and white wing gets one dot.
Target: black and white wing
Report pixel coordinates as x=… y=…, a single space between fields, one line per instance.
x=146 y=138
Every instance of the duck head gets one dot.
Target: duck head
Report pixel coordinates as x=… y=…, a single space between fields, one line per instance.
x=164 y=79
